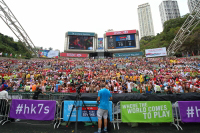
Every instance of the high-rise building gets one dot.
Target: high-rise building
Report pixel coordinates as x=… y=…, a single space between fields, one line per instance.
x=145 y=20
x=192 y=4
x=168 y=10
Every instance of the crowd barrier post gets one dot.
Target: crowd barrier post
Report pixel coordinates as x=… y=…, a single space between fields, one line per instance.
x=178 y=117
x=118 y=120
x=58 y=121
x=113 y=121
x=58 y=114
x=4 y=111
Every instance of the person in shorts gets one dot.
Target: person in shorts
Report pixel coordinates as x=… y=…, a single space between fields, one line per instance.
x=104 y=96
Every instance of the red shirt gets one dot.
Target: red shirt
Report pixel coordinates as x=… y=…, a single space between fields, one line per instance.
x=72 y=90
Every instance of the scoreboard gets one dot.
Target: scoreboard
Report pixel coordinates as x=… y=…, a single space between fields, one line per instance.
x=124 y=40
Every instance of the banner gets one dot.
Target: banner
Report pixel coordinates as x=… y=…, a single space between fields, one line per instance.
x=52 y=54
x=33 y=109
x=128 y=54
x=189 y=111
x=48 y=53
x=156 y=52
x=147 y=111
x=73 y=55
x=92 y=107
x=100 y=44
x=121 y=32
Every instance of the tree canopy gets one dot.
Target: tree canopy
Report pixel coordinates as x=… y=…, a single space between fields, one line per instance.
x=164 y=39
x=9 y=46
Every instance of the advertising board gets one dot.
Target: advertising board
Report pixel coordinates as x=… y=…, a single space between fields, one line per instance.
x=156 y=52
x=48 y=53
x=128 y=54
x=81 y=33
x=73 y=55
x=121 y=32
x=146 y=111
x=91 y=106
x=100 y=44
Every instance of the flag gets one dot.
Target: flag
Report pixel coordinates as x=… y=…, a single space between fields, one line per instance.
x=192 y=53
x=11 y=54
x=1 y=53
x=20 y=55
x=15 y=55
x=6 y=54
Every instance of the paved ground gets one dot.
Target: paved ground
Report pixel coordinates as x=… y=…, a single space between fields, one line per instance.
x=47 y=127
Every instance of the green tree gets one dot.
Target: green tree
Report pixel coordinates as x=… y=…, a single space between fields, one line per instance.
x=164 y=39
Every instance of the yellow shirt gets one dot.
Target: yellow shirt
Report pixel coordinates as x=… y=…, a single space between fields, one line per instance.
x=118 y=74
x=28 y=76
x=141 y=78
x=134 y=78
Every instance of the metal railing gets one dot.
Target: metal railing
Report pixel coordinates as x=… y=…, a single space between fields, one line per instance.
x=4 y=111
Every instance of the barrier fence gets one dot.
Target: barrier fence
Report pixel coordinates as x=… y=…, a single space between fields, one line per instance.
x=4 y=111
x=122 y=112
x=29 y=95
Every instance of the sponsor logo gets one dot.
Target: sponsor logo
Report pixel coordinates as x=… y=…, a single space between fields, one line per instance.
x=78 y=55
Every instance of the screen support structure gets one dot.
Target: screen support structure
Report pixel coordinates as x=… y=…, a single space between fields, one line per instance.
x=11 y=21
x=189 y=25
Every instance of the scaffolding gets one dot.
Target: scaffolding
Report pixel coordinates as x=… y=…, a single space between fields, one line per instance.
x=11 y=21
x=189 y=25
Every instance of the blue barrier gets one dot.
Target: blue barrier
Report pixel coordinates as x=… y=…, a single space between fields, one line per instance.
x=92 y=107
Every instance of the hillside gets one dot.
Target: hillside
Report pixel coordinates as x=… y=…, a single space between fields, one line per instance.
x=8 y=45
x=192 y=44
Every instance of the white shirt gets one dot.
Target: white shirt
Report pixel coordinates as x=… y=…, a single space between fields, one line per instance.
x=129 y=85
x=3 y=94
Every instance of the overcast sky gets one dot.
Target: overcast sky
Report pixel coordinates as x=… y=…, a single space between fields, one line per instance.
x=47 y=21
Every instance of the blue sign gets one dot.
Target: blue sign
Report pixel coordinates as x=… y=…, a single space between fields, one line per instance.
x=92 y=107
x=100 y=44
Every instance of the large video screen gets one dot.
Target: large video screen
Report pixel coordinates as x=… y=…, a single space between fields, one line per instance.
x=121 y=41
x=81 y=42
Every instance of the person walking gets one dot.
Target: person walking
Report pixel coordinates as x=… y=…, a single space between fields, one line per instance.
x=104 y=96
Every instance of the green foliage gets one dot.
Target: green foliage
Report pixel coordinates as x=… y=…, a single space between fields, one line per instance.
x=8 y=45
x=164 y=39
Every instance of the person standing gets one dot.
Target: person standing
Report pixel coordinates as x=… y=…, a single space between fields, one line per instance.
x=129 y=85
x=157 y=88
x=4 y=94
x=104 y=96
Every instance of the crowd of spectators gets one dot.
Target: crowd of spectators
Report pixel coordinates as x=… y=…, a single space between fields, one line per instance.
x=119 y=75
